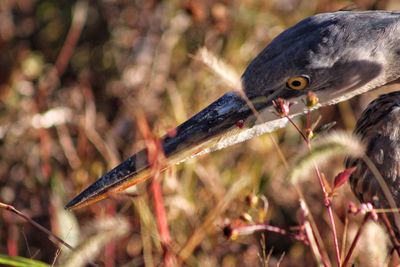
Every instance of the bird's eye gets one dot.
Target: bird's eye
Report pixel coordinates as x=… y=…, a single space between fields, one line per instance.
x=298 y=82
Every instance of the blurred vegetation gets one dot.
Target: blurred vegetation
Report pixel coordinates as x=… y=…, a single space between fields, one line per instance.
x=74 y=75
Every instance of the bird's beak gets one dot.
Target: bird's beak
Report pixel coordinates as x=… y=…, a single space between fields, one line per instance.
x=229 y=113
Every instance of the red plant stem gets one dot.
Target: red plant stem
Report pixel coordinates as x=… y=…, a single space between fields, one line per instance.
x=110 y=248
x=335 y=239
x=314 y=230
x=356 y=238
x=324 y=262
x=328 y=205
x=78 y=21
x=327 y=201
x=308 y=121
x=298 y=129
x=12 y=248
x=162 y=223
x=156 y=159
x=45 y=154
x=160 y=212
x=392 y=235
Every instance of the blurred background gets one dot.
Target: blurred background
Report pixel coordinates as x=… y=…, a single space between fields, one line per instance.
x=75 y=76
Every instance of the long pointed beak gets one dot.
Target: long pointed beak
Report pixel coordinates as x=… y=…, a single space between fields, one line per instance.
x=193 y=136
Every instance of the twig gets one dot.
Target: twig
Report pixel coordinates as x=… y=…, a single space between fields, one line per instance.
x=27 y=245
x=104 y=148
x=162 y=223
x=311 y=230
x=78 y=21
x=264 y=258
x=327 y=201
x=68 y=146
x=328 y=205
x=110 y=248
x=344 y=238
x=335 y=239
x=156 y=158
x=298 y=129
x=356 y=238
x=392 y=235
x=58 y=252
x=280 y=259
x=35 y=224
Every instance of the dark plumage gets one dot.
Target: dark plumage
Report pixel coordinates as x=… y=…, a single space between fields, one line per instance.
x=379 y=128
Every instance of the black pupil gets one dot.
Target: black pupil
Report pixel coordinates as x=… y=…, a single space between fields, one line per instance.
x=296 y=83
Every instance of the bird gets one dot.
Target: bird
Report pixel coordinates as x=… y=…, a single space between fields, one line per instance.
x=335 y=55
x=379 y=129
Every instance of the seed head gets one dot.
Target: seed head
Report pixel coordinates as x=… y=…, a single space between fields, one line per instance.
x=282 y=107
x=311 y=99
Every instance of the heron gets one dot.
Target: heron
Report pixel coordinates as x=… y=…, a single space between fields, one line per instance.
x=379 y=128
x=335 y=55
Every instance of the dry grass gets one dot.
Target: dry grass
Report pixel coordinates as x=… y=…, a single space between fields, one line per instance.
x=69 y=99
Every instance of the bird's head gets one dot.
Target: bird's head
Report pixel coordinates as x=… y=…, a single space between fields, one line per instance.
x=336 y=55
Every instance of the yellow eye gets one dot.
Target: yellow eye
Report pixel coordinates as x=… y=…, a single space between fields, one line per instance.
x=298 y=82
